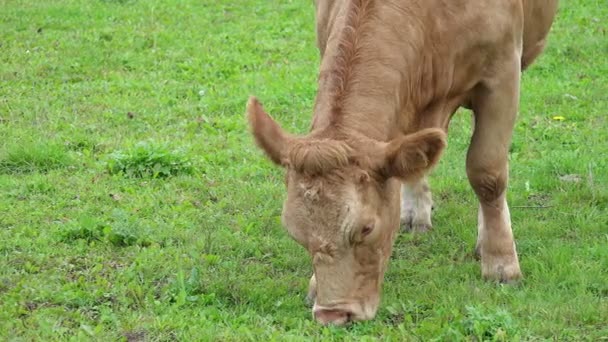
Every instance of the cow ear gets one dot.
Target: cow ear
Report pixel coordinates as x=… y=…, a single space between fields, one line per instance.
x=269 y=136
x=411 y=156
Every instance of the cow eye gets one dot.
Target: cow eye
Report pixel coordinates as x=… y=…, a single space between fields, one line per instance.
x=366 y=230
x=359 y=235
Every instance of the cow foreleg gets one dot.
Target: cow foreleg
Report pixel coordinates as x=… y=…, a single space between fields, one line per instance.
x=416 y=206
x=495 y=107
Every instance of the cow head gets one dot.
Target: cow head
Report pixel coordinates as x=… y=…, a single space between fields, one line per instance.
x=342 y=205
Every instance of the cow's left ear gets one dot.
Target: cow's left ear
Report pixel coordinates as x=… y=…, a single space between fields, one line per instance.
x=411 y=156
x=269 y=136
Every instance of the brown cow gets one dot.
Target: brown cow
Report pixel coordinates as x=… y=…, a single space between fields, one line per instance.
x=392 y=74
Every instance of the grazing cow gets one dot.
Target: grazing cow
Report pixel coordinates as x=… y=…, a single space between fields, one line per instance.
x=392 y=74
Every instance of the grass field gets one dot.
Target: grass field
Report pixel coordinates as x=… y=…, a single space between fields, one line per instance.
x=134 y=205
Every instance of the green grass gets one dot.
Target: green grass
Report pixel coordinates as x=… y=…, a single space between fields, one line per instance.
x=149 y=160
x=192 y=249
x=27 y=156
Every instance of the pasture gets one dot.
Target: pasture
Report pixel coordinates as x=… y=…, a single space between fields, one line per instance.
x=134 y=205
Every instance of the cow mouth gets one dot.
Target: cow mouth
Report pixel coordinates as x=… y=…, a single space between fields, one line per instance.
x=342 y=314
x=333 y=317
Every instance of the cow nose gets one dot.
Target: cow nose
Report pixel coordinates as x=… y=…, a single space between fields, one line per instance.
x=336 y=317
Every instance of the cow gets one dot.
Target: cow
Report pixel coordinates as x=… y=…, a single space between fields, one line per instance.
x=392 y=74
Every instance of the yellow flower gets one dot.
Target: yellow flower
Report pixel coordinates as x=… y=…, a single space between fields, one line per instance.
x=559 y=118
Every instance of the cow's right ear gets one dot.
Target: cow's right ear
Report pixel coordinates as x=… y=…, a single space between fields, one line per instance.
x=410 y=156
x=269 y=136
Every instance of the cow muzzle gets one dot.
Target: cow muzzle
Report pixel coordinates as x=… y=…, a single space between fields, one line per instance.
x=342 y=315
x=334 y=317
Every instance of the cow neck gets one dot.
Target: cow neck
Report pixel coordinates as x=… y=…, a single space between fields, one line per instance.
x=360 y=88
x=370 y=110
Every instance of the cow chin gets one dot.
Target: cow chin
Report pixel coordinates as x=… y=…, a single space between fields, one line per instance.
x=346 y=313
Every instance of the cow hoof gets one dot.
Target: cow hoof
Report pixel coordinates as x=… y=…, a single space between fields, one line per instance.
x=502 y=271
x=310 y=299
x=477 y=252
x=311 y=296
x=410 y=227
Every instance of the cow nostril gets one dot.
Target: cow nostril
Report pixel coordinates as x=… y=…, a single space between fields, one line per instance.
x=349 y=317
x=337 y=317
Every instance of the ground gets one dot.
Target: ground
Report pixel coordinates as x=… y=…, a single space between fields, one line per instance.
x=135 y=206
